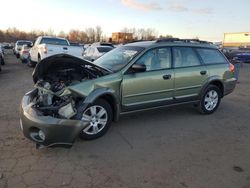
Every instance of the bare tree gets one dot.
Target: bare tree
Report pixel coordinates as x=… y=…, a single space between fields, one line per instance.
x=62 y=34
x=98 y=33
x=91 y=34
x=50 y=32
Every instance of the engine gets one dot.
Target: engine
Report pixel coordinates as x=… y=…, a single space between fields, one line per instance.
x=52 y=97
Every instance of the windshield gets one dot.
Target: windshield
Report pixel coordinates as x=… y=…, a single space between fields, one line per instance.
x=118 y=58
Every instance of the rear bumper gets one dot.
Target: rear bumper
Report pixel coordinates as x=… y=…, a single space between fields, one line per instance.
x=58 y=132
x=229 y=85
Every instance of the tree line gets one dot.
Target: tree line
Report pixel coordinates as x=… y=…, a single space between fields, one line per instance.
x=89 y=35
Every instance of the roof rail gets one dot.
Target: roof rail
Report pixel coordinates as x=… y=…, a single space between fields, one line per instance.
x=182 y=40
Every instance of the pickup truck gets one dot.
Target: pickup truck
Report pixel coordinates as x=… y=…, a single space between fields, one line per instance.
x=46 y=46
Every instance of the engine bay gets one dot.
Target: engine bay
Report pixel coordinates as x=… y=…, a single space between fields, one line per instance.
x=53 y=99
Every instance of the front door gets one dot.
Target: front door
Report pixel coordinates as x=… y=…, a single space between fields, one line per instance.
x=151 y=88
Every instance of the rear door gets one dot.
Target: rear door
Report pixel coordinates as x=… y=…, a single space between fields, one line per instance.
x=151 y=88
x=190 y=74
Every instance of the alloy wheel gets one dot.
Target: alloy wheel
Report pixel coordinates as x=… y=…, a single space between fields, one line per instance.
x=97 y=117
x=211 y=100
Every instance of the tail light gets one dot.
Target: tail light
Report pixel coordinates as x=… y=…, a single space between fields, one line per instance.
x=231 y=67
x=45 y=50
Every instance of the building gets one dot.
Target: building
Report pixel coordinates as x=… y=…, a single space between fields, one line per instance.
x=120 y=37
x=240 y=39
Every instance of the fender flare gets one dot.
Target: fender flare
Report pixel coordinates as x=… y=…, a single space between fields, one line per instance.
x=208 y=82
x=99 y=92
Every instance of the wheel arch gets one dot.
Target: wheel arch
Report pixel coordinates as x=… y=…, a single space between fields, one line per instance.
x=217 y=82
x=106 y=94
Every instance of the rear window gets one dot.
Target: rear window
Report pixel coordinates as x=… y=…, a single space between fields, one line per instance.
x=211 y=56
x=21 y=43
x=104 y=49
x=54 y=41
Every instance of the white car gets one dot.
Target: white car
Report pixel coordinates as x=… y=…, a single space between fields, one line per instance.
x=93 y=52
x=24 y=53
x=46 y=46
x=19 y=45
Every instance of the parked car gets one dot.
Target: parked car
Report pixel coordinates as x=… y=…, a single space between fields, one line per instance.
x=24 y=53
x=7 y=46
x=74 y=97
x=2 y=62
x=94 y=52
x=103 y=44
x=46 y=46
x=2 y=48
x=18 y=46
x=243 y=57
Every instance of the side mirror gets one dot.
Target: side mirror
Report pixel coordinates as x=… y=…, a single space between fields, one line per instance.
x=139 y=68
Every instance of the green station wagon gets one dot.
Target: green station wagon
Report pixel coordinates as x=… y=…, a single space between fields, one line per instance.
x=74 y=97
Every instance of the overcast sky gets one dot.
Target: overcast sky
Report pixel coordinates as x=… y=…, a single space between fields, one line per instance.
x=207 y=19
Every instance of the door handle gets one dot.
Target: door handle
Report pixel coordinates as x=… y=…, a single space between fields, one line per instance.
x=167 y=77
x=203 y=72
x=65 y=48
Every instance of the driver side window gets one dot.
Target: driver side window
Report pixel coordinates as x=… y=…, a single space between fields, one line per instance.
x=156 y=59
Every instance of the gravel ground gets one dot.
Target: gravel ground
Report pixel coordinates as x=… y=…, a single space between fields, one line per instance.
x=175 y=147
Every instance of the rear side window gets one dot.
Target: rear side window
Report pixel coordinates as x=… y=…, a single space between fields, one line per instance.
x=185 y=57
x=211 y=56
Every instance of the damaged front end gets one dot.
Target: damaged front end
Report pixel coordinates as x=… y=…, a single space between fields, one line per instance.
x=54 y=100
x=48 y=113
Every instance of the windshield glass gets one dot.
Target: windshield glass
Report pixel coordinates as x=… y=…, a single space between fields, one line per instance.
x=118 y=58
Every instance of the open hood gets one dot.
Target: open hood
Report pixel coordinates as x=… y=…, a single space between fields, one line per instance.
x=62 y=62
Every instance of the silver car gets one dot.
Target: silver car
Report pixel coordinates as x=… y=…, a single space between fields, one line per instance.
x=24 y=53
x=94 y=52
x=18 y=46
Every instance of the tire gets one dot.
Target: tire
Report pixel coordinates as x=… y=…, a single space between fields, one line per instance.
x=2 y=61
x=98 y=125
x=31 y=63
x=210 y=100
x=38 y=59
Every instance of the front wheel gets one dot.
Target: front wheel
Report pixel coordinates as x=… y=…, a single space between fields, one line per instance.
x=99 y=115
x=210 y=100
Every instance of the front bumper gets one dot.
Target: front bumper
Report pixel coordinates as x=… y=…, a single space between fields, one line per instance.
x=57 y=132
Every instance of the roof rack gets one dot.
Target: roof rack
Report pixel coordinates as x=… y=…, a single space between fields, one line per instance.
x=182 y=40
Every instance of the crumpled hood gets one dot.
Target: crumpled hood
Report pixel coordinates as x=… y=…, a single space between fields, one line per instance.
x=60 y=61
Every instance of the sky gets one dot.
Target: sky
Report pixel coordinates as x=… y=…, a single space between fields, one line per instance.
x=206 y=19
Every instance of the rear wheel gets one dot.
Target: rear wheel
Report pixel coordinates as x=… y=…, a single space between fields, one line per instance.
x=99 y=115
x=210 y=100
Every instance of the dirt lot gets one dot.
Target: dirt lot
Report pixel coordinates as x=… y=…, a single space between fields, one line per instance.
x=175 y=147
